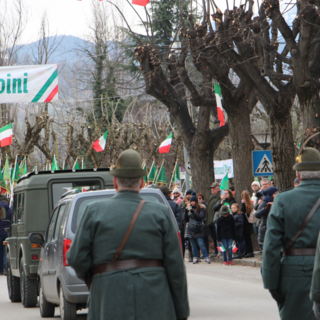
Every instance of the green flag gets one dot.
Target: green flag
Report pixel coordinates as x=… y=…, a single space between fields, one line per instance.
x=177 y=179
x=152 y=173
x=25 y=168
x=7 y=171
x=16 y=173
x=162 y=177
x=76 y=165
x=55 y=165
x=145 y=178
x=224 y=183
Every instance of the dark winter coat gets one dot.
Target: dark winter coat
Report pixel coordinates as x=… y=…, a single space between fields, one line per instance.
x=210 y=209
x=238 y=221
x=262 y=214
x=199 y=216
x=176 y=210
x=7 y=223
x=226 y=202
x=247 y=227
x=226 y=228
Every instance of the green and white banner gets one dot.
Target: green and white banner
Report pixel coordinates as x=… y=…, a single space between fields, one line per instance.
x=37 y=83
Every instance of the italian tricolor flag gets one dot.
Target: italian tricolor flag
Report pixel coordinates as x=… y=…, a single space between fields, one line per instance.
x=166 y=144
x=217 y=90
x=234 y=248
x=6 y=135
x=142 y=3
x=221 y=248
x=100 y=144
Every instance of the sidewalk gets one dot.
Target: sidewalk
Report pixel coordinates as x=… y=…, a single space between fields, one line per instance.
x=256 y=261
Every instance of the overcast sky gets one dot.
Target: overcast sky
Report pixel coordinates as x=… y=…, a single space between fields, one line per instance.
x=71 y=17
x=67 y=17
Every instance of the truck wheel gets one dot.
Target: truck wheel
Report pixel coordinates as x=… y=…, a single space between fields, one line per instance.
x=46 y=308
x=13 y=284
x=28 y=289
x=68 y=311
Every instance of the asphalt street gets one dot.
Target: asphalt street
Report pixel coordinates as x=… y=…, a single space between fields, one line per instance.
x=215 y=292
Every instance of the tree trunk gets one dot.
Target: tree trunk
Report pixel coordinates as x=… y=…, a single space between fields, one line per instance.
x=309 y=102
x=282 y=150
x=242 y=146
x=201 y=159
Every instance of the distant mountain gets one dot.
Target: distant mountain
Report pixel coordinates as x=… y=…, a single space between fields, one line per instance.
x=66 y=50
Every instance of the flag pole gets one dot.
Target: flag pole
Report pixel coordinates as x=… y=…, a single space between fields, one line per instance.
x=14 y=175
x=63 y=164
x=150 y=170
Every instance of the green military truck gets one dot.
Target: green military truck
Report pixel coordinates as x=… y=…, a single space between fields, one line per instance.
x=34 y=199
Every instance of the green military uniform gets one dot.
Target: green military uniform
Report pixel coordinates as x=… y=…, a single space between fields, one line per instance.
x=315 y=284
x=155 y=293
x=291 y=276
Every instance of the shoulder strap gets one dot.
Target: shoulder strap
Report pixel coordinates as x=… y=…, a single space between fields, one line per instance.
x=305 y=222
x=127 y=234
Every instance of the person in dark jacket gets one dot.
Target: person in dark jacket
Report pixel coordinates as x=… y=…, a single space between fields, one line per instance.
x=227 y=199
x=246 y=209
x=238 y=221
x=263 y=212
x=226 y=233
x=210 y=223
x=197 y=213
x=174 y=206
x=4 y=223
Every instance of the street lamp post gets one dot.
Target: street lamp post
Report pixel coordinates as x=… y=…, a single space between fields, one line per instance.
x=262 y=139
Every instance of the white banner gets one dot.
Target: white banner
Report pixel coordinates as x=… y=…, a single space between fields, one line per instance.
x=222 y=167
x=29 y=83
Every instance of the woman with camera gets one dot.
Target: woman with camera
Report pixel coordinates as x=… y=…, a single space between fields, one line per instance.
x=195 y=215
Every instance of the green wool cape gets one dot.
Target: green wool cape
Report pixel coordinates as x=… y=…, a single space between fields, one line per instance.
x=137 y=294
x=291 y=276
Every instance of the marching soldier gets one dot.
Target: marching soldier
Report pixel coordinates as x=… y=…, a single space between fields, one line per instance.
x=128 y=251
x=293 y=225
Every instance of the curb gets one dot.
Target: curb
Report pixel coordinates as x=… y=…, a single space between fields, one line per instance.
x=257 y=263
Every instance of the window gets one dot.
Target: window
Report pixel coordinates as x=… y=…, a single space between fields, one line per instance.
x=18 y=208
x=51 y=225
x=80 y=207
x=58 y=189
x=59 y=225
x=21 y=207
x=152 y=197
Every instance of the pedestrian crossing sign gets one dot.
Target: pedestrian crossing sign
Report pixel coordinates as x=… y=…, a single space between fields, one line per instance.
x=262 y=163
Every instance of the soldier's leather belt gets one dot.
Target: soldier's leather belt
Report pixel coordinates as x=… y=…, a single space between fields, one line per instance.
x=126 y=264
x=300 y=252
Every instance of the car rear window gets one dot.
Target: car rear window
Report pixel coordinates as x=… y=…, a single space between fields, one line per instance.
x=79 y=208
x=58 y=189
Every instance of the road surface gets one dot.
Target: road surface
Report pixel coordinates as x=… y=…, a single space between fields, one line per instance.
x=215 y=292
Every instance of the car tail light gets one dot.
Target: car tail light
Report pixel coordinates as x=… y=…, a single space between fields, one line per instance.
x=66 y=247
x=34 y=257
x=35 y=246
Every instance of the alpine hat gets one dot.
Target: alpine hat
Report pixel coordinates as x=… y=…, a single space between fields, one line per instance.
x=129 y=165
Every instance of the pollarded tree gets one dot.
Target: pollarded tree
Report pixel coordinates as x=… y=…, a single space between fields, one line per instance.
x=248 y=45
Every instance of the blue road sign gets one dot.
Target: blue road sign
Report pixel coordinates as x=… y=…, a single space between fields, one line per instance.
x=262 y=163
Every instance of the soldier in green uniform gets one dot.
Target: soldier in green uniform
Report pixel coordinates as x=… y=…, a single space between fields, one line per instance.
x=293 y=226
x=147 y=278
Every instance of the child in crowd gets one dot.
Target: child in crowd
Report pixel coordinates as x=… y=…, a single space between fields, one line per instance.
x=238 y=221
x=226 y=233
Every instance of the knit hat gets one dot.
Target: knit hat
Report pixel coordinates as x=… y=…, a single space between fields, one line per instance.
x=176 y=190
x=194 y=198
x=189 y=191
x=255 y=183
x=224 y=210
